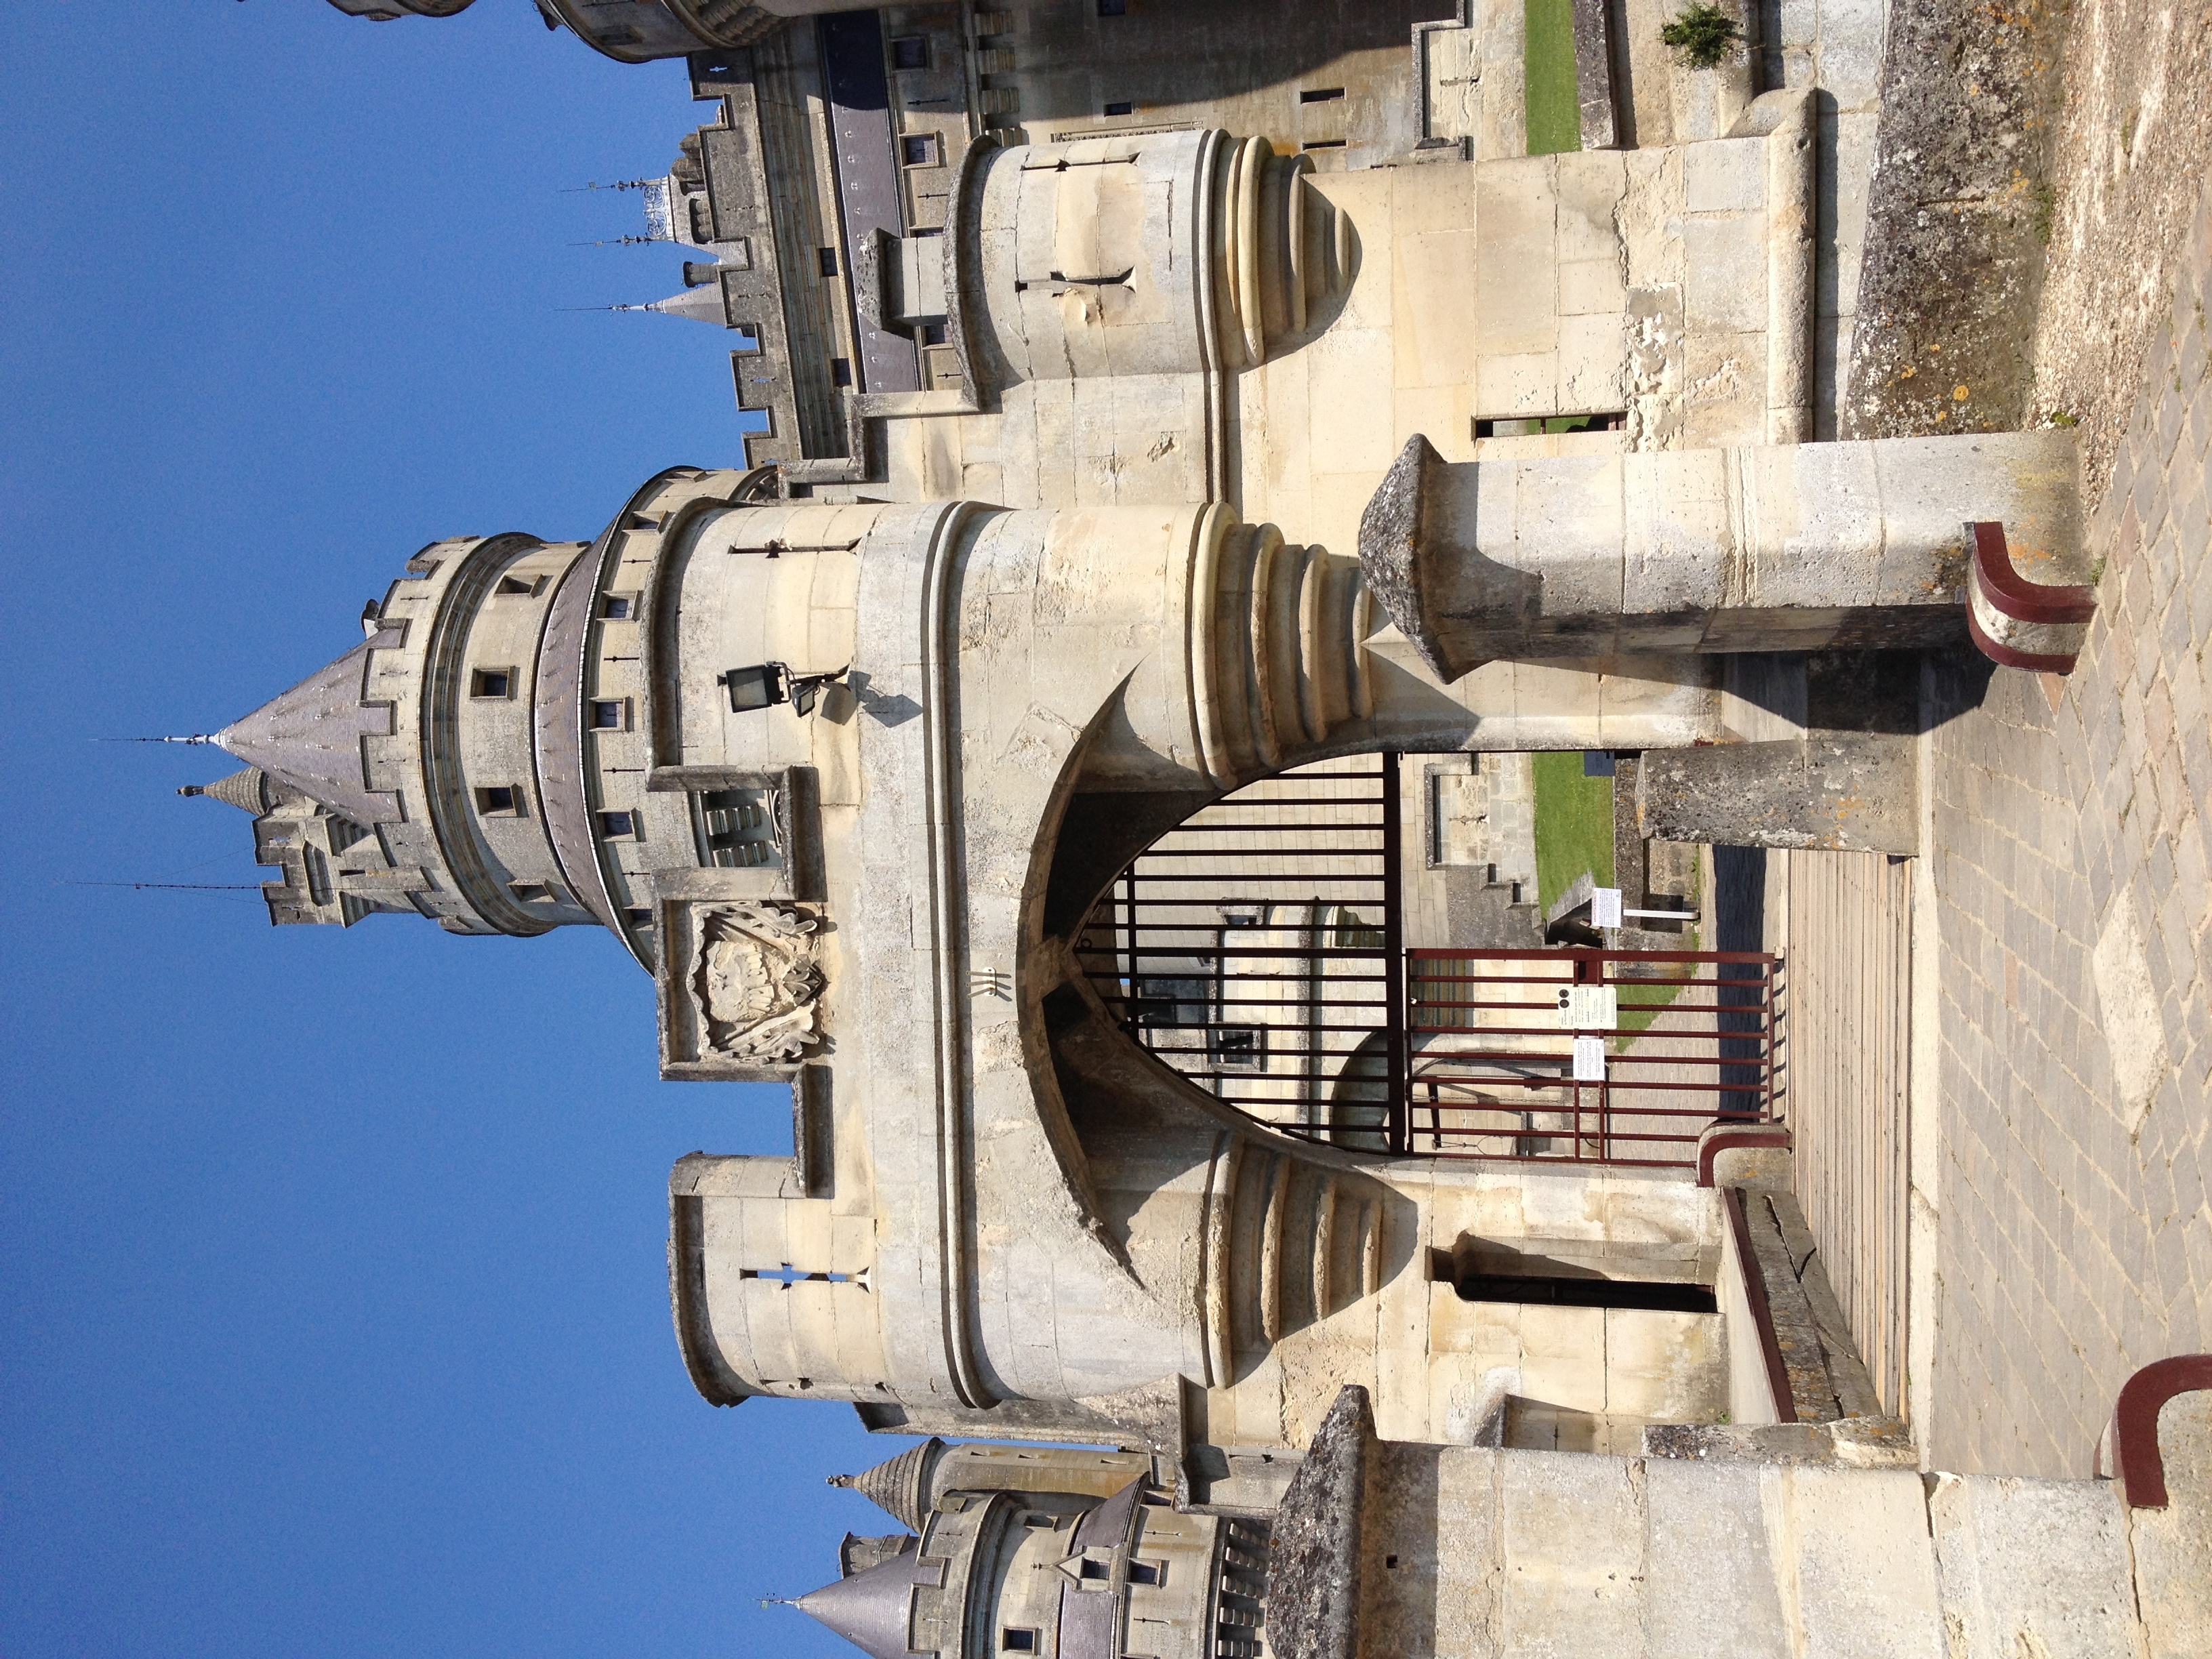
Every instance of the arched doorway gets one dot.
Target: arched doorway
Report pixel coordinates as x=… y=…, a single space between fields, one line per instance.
x=1276 y=949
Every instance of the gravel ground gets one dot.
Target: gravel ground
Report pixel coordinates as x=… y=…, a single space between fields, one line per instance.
x=2131 y=149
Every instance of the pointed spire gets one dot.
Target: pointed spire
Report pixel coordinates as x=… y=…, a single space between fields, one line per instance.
x=309 y=738
x=900 y=1486
x=248 y=790
x=870 y=1608
x=701 y=304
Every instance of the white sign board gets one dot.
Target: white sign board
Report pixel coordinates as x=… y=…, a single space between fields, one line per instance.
x=1589 y=1059
x=1590 y=1007
x=1605 y=906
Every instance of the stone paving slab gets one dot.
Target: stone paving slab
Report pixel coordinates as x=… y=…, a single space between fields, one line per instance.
x=2070 y=856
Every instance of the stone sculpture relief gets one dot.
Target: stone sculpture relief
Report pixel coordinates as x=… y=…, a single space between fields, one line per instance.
x=755 y=980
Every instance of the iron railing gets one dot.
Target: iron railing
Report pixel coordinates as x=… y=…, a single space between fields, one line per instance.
x=1586 y=1056
x=1256 y=948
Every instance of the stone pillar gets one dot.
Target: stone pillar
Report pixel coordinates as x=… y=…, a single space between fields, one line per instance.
x=1837 y=791
x=1789 y=547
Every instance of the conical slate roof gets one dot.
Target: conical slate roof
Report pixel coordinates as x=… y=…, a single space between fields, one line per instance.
x=900 y=1486
x=245 y=790
x=309 y=738
x=869 y=1609
x=703 y=304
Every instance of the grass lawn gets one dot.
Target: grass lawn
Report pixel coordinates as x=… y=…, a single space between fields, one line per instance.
x=1553 y=104
x=1574 y=824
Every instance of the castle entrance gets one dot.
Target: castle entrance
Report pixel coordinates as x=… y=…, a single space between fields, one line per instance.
x=1286 y=949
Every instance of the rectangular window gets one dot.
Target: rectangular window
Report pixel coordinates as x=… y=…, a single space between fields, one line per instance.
x=840 y=371
x=910 y=53
x=932 y=334
x=535 y=892
x=1614 y=420
x=610 y=715
x=919 y=149
x=1240 y=1048
x=617 y=825
x=1322 y=143
x=638 y=916
x=1094 y=1568
x=737 y=828
x=491 y=682
x=1122 y=108
x=1019 y=1641
x=826 y=258
x=1148 y=1572
x=617 y=607
x=1177 y=1002
x=513 y=588
x=1113 y=8
x=1320 y=94
x=499 y=800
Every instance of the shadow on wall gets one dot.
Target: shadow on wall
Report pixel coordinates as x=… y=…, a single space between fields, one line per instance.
x=1198 y=51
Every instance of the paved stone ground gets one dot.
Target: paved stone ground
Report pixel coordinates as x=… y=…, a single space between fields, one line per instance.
x=2071 y=846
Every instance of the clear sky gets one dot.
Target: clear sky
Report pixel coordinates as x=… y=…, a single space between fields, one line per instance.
x=335 y=1315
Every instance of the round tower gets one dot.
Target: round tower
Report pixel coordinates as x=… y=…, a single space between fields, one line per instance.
x=1051 y=1552
x=457 y=761
x=636 y=31
x=383 y=11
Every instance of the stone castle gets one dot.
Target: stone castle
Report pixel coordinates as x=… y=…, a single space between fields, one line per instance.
x=1146 y=403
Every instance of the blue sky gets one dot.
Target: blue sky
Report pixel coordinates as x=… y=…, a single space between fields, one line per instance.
x=335 y=1313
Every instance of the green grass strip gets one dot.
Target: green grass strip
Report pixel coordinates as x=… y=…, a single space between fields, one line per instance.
x=1551 y=105
x=1640 y=1004
x=1574 y=824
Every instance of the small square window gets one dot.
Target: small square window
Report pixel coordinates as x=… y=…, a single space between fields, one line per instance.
x=932 y=334
x=617 y=607
x=826 y=259
x=1094 y=1568
x=1122 y=108
x=919 y=149
x=840 y=371
x=638 y=916
x=1018 y=1641
x=911 y=53
x=1113 y=8
x=519 y=587
x=1243 y=1048
x=492 y=683
x=499 y=800
x=615 y=825
x=609 y=715
x=1147 y=1572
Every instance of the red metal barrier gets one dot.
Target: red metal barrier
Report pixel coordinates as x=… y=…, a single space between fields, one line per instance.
x=1586 y=1056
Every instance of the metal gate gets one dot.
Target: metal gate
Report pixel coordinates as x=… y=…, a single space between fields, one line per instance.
x=1586 y=1056
x=1258 y=949
x=1254 y=948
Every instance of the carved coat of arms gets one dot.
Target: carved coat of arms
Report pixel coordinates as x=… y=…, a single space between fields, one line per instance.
x=755 y=980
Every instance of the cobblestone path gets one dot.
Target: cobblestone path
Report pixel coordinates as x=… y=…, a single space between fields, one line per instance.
x=2072 y=838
